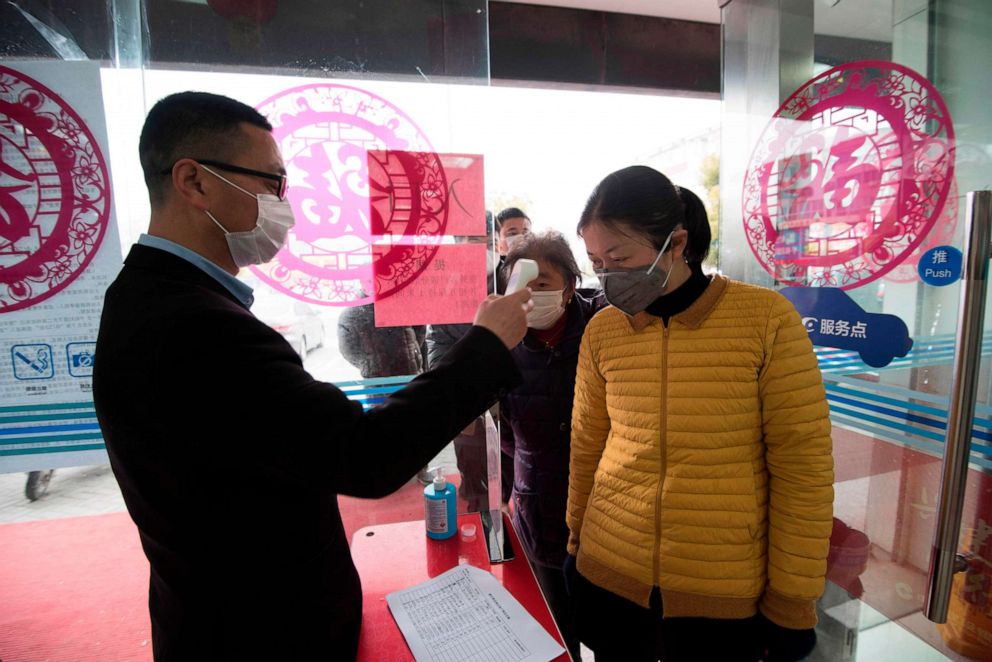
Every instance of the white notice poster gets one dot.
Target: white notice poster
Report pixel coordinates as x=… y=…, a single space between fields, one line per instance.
x=59 y=250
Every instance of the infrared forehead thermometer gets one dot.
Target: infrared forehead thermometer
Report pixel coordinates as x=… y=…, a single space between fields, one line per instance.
x=524 y=271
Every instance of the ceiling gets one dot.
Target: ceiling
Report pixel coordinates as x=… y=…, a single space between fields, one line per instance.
x=858 y=19
x=704 y=11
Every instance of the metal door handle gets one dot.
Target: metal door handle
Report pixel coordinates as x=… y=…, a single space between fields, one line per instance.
x=944 y=557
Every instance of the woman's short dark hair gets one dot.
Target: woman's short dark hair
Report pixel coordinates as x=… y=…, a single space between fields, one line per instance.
x=550 y=246
x=641 y=200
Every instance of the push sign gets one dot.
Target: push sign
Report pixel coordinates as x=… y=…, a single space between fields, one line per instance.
x=833 y=319
x=940 y=266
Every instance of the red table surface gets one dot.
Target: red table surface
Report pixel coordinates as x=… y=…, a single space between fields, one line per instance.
x=390 y=557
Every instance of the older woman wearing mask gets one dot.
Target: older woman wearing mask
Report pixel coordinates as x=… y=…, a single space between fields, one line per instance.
x=536 y=416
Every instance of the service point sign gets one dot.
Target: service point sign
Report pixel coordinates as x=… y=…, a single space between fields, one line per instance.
x=833 y=319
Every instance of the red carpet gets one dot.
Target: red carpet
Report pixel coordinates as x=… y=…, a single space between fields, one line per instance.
x=73 y=589
x=76 y=589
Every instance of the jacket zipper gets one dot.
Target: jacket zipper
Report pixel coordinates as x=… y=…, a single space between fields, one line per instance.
x=663 y=441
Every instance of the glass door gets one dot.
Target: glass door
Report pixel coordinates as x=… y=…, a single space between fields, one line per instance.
x=852 y=133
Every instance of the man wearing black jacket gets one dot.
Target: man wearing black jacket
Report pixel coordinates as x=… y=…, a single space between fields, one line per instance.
x=230 y=456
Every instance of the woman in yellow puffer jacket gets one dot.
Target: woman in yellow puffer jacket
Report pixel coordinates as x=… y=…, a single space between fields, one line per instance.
x=700 y=487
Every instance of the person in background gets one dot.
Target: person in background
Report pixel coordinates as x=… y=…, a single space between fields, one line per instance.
x=188 y=383
x=700 y=485
x=512 y=225
x=380 y=351
x=536 y=416
x=470 y=444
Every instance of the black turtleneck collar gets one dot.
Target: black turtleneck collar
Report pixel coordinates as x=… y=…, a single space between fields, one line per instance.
x=668 y=305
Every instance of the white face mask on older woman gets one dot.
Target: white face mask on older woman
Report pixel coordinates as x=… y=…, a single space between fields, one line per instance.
x=548 y=309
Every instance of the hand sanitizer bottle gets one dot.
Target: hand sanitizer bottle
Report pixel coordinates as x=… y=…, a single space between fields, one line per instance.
x=439 y=508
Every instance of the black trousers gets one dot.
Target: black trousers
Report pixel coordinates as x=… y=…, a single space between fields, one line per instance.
x=552 y=583
x=617 y=629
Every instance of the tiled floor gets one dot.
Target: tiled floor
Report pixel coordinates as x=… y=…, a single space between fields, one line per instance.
x=72 y=493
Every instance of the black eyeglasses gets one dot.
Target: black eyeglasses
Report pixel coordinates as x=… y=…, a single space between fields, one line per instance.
x=281 y=179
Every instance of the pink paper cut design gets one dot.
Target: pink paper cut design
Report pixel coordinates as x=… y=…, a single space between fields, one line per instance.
x=466 y=194
x=326 y=133
x=54 y=193
x=849 y=176
x=448 y=291
x=941 y=234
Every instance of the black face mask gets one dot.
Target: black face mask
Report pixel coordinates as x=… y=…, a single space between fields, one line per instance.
x=631 y=290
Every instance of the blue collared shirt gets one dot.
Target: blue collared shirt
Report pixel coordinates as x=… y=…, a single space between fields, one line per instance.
x=241 y=291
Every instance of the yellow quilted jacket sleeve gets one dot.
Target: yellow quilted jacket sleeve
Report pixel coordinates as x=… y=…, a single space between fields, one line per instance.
x=798 y=456
x=590 y=427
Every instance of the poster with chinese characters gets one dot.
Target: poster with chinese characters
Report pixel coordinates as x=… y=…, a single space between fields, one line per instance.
x=448 y=290
x=59 y=250
x=940 y=266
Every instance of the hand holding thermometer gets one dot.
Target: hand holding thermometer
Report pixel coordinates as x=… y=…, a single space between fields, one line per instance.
x=524 y=271
x=506 y=316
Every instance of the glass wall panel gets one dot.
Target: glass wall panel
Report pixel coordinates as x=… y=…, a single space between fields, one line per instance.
x=853 y=182
x=350 y=89
x=377 y=107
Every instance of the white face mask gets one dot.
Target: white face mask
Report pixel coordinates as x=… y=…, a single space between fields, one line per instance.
x=512 y=241
x=548 y=309
x=261 y=243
